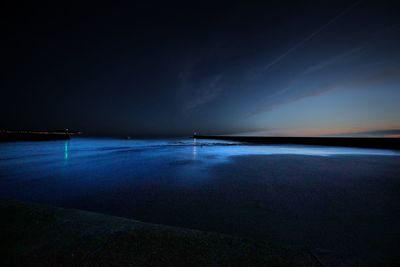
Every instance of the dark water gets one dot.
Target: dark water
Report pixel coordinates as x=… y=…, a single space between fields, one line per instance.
x=341 y=199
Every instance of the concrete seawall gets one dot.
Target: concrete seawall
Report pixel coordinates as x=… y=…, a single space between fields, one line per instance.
x=36 y=235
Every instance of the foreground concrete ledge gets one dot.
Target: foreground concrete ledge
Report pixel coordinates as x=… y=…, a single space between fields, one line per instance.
x=36 y=235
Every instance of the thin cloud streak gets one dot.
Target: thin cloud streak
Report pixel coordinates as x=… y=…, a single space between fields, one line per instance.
x=312 y=35
x=367 y=79
x=197 y=92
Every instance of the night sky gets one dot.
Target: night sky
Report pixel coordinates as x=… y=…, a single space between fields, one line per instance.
x=235 y=67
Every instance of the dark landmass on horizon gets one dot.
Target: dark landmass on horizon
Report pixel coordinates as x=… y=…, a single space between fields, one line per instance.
x=363 y=142
x=13 y=136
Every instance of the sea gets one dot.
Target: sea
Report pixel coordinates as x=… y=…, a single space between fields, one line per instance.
x=345 y=201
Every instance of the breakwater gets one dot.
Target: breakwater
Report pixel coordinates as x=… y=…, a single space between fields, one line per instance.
x=364 y=142
x=12 y=136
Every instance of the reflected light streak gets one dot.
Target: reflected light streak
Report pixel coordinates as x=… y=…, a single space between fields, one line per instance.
x=194 y=151
x=66 y=150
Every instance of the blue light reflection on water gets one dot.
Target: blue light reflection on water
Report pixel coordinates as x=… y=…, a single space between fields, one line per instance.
x=208 y=185
x=66 y=150
x=102 y=158
x=62 y=170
